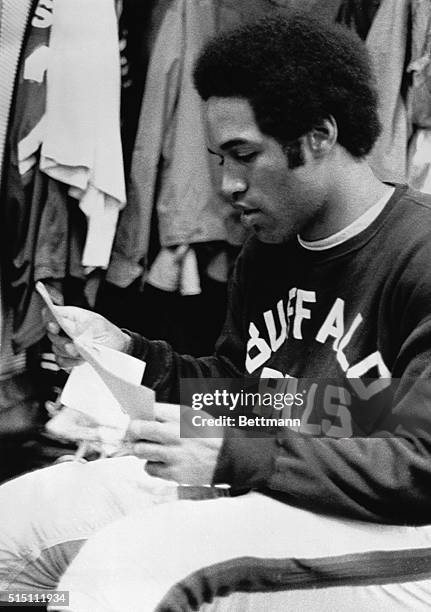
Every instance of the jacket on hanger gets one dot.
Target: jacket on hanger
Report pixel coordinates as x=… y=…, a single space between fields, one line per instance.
x=37 y=212
x=358 y=15
x=170 y=150
x=81 y=141
x=387 y=44
x=419 y=98
x=13 y=21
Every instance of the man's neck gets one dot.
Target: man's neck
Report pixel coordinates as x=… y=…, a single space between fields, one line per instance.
x=353 y=190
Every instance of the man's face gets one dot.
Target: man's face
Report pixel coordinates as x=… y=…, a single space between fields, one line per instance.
x=276 y=202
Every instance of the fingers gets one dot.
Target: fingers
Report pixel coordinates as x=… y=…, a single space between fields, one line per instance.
x=157 y=442
x=159 y=470
x=153 y=452
x=65 y=352
x=47 y=317
x=64 y=346
x=55 y=295
x=153 y=431
x=65 y=363
x=72 y=319
x=53 y=327
x=167 y=413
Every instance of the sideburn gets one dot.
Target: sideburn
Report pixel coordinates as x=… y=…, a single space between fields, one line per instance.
x=294 y=154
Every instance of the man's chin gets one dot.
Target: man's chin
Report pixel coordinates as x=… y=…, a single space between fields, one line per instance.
x=272 y=237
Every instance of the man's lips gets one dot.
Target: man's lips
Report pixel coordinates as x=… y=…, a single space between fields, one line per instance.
x=245 y=209
x=246 y=213
x=248 y=216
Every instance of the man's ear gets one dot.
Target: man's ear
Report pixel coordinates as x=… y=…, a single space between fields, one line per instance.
x=323 y=137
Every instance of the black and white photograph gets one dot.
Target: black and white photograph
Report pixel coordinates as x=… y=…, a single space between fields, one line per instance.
x=215 y=305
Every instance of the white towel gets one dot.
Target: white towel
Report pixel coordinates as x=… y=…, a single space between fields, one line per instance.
x=176 y=269
x=82 y=142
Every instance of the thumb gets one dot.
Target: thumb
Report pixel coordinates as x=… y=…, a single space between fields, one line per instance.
x=72 y=320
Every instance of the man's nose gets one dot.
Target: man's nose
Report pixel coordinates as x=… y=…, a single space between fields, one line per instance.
x=232 y=187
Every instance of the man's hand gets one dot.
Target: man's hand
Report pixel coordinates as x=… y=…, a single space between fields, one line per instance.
x=80 y=321
x=185 y=460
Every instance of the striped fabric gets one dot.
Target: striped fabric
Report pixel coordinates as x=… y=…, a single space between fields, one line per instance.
x=10 y=364
x=249 y=554
x=13 y=19
x=253 y=575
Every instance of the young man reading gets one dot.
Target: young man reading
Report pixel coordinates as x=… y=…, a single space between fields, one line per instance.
x=334 y=284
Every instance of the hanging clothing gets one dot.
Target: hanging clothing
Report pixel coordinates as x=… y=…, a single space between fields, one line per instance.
x=44 y=231
x=420 y=160
x=13 y=20
x=25 y=189
x=387 y=44
x=43 y=234
x=419 y=93
x=83 y=91
x=135 y=25
x=19 y=391
x=27 y=126
x=10 y=364
x=419 y=97
x=236 y=12
x=326 y=9
x=176 y=269
x=358 y=15
x=170 y=150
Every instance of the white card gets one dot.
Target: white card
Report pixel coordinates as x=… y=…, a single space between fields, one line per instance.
x=108 y=385
x=86 y=392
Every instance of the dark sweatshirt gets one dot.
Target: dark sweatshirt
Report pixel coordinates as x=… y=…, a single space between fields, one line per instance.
x=356 y=316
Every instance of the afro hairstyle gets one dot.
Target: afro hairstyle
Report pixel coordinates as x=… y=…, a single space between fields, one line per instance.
x=295 y=71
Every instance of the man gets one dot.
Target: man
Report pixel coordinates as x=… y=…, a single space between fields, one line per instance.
x=334 y=285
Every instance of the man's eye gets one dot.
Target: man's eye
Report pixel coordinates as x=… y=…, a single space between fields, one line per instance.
x=245 y=157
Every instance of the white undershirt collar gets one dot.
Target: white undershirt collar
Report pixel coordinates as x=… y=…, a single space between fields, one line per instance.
x=351 y=230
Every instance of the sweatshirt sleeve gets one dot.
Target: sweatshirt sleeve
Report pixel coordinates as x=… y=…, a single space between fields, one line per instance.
x=385 y=477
